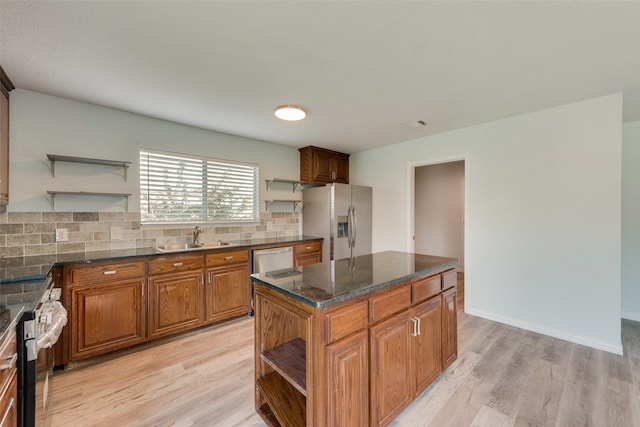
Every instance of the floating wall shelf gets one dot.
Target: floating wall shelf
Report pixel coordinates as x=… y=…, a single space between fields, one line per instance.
x=294 y=184
x=53 y=195
x=53 y=158
x=295 y=203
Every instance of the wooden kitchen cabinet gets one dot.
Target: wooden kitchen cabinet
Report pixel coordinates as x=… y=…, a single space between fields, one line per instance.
x=106 y=307
x=356 y=363
x=307 y=253
x=228 y=290
x=176 y=294
x=5 y=87
x=449 y=327
x=322 y=166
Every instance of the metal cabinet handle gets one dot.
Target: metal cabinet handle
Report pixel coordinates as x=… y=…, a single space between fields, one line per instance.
x=414 y=333
x=10 y=406
x=178 y=264
x=228 y=258
x=419 y=325
x=109 y=273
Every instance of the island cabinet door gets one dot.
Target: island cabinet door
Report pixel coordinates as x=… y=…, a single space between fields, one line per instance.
x=390 y=368
x=349 y=381
x=449 y=328
x=427 y=364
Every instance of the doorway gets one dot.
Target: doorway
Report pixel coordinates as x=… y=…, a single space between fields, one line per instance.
x=439 y=206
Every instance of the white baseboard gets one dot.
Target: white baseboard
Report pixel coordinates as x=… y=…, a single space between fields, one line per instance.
x=631 y=316
x=608 y=347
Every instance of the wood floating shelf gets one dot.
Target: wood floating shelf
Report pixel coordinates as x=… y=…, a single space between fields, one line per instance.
x=283 y=400
x=289 y=360
x=53 y=158
x=54 y=194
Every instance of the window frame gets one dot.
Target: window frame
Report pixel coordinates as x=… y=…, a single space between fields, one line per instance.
x=244 y=174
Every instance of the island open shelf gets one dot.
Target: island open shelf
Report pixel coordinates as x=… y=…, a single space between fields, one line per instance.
x=289 y=360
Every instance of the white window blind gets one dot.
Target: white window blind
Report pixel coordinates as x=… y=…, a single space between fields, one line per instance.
x=183 y=188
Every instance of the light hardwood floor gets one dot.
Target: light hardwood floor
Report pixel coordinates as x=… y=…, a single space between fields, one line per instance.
x=504 y=376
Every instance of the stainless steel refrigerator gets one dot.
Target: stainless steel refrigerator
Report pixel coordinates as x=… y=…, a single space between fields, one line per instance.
x=341 y=215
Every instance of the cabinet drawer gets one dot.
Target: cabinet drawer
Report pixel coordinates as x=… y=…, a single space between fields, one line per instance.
x=87 y=273
x=227 y=257
x=449 y=279
x=346 y=320
x=391 y=302
x=425 y=288
x=306 y=248
x=175 y=263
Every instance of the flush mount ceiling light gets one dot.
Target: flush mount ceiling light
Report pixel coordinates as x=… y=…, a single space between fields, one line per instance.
x=290 y=113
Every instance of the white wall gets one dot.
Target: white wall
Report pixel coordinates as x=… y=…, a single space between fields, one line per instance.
x=543 y=216
x=631 y=221
x=42 y=124
x=439 y=210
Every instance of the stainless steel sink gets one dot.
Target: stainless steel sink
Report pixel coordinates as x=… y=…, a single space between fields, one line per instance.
x=217 y=244
x=191 y=246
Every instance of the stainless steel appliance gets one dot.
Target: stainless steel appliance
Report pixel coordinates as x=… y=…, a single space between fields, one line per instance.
x=341 y=214
x=272 y=259
x=38 y=330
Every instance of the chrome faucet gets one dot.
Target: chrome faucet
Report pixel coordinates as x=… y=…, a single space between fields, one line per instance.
x=196 y=234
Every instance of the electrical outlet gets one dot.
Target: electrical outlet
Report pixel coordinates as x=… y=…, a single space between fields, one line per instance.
x=62 y=235
x=116 y=233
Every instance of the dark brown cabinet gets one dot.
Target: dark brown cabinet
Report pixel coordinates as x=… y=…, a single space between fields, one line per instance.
x=5 y=87
x=322 y=166
x=228 y=291
x=107 y=302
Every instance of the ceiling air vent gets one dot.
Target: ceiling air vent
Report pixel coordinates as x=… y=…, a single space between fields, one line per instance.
x=414 y=124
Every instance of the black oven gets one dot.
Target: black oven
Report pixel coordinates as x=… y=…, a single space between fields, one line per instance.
x=37 y=332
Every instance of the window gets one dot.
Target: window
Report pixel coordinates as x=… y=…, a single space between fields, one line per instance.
x=181 y=188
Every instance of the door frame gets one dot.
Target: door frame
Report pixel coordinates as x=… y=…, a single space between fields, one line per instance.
x=411 y=178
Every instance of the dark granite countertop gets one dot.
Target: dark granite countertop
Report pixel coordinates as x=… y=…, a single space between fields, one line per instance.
x=23 y=279
x=327 y=283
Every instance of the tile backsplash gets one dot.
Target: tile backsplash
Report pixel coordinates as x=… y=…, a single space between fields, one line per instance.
x=34 y=233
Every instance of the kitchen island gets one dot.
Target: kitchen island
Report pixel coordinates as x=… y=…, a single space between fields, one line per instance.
x=352 y=342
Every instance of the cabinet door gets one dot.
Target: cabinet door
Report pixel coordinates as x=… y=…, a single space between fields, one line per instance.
x=175 y=302
x=106 y=317
x=341 y=169
x=427 y=364
x=323 y=167
x=228 y=292
x=349 y=381
x=449 y=328
x=390 y=368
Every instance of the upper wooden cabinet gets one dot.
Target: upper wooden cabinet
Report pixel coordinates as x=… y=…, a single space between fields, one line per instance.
x=5 y=87
x=322 y=166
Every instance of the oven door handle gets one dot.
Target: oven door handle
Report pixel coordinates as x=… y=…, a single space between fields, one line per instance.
x=51 y=335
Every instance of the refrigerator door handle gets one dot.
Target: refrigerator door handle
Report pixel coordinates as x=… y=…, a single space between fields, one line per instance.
x=349 y=226
x=354 y=227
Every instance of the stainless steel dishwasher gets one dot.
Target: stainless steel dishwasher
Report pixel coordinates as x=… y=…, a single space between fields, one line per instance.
x=272 y=259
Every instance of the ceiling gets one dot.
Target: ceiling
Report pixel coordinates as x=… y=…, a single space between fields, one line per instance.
x=362 y=68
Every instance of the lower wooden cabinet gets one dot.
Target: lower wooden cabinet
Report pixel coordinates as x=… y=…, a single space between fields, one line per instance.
x=106 y=316
x=228 y=292
x=175 y=302
x=348 y=365
x=390 y=368
x=307 y=253
x=449 y=327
